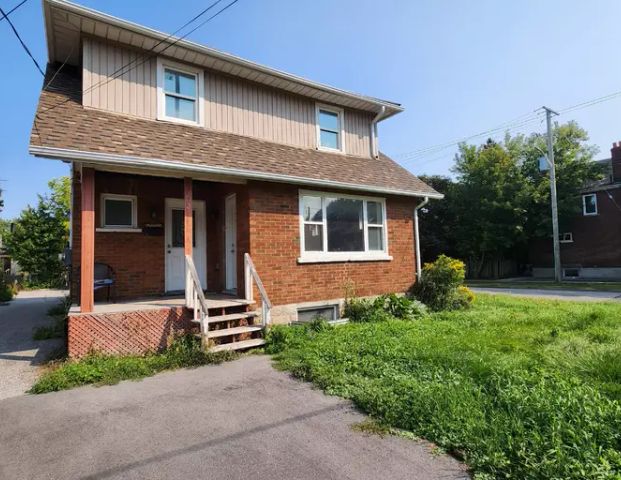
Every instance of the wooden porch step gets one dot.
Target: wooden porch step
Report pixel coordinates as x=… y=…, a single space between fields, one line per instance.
x=225 y=332
x=253 y=342
x=228 y=317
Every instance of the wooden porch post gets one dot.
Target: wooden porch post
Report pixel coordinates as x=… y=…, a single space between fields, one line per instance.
x=87 y=258
x=187 y=231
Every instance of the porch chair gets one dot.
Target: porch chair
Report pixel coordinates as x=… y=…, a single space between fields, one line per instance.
x=104 y=277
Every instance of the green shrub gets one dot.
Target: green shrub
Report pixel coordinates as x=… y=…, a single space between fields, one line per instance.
x=6 y=293
x=6 y=289
x=400 y=306
x=439 y=287
x=383 y=308
x=184 y=351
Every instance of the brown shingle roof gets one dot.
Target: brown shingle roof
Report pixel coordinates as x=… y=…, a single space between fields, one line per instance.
x=62 y=122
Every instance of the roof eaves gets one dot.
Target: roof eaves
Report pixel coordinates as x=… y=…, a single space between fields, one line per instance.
x=114 y=159
x=124 y=24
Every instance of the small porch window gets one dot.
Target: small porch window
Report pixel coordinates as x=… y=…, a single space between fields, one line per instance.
x=118 y=211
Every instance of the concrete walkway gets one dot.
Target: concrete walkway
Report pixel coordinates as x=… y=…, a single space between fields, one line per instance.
x=234 y=421
x=575 y=295
x=20 y=355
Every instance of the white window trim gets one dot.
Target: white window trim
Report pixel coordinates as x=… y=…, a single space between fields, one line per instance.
x=341 y=132
x=334 y=306
x=161 y=97
x=566 y=237
x=584 y=212
x=119 y=228
x=325 y=256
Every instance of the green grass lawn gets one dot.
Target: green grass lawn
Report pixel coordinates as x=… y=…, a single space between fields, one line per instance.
x=548 y=285
x=518 y=388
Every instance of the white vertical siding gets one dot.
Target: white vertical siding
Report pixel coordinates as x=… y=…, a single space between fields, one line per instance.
x=131 y=90
x=231 y=105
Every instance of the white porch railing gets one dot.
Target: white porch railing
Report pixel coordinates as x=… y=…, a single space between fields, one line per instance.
x=250 y=274
x=194 y=297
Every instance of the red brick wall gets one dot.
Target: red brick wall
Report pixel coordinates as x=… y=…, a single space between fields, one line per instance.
x=126 y=332
x=138 y=259
x=596 y=237
x=267 y=227
x=275 y=248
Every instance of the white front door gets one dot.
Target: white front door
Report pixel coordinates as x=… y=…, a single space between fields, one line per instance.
x=230 y=242
x=174 y=231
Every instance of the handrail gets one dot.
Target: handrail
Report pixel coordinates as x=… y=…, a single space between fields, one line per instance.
x=194 y=297
x=250 y=274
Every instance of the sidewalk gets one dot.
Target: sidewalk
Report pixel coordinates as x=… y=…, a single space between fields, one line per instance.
x=20 y=355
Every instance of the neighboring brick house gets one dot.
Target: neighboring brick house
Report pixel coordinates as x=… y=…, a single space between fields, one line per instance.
x=591 y=248
x=194 y=170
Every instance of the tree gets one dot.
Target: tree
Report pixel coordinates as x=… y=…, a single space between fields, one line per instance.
x=40 y=235
x=437 y=220
x=500 y=200
x=490 y=202
x=574 y=169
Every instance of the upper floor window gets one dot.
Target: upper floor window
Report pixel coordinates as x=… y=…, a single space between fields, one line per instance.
x=329 y=128
x=180 y=95
x=589 y=204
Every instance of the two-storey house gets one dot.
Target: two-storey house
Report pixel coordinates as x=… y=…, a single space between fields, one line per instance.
x=591 y=246
x=206 y=185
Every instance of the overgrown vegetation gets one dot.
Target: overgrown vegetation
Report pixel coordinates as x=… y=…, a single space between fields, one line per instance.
x=442 y=285
x=518 y=388
x=384 y=307
x=99 y=369
x=58 y=329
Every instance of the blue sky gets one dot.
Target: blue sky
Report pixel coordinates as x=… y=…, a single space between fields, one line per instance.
x=458 y=67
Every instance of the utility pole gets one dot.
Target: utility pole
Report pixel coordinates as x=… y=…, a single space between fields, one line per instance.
x=555 y=233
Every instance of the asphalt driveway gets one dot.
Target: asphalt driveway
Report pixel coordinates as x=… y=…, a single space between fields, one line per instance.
x=20 y=355
x=238 y=420
x=575 y=295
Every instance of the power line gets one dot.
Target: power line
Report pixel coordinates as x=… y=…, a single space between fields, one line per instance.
x=591 y=102
x=506 y=128
x=147 y=58
x=509 y=125
x=424 y=152
x=4 y=15
x=123 y=67
x=12 y=10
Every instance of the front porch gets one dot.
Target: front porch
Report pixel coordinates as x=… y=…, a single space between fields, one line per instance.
x=163 y=242
x=215 y=302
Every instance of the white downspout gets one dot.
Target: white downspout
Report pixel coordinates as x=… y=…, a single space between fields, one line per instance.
x=377 y=118
x=417 y=237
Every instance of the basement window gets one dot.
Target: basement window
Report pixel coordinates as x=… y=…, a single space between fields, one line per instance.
x=118 y=211
x=327 y=312
x=589 y=204
x=566 y=237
